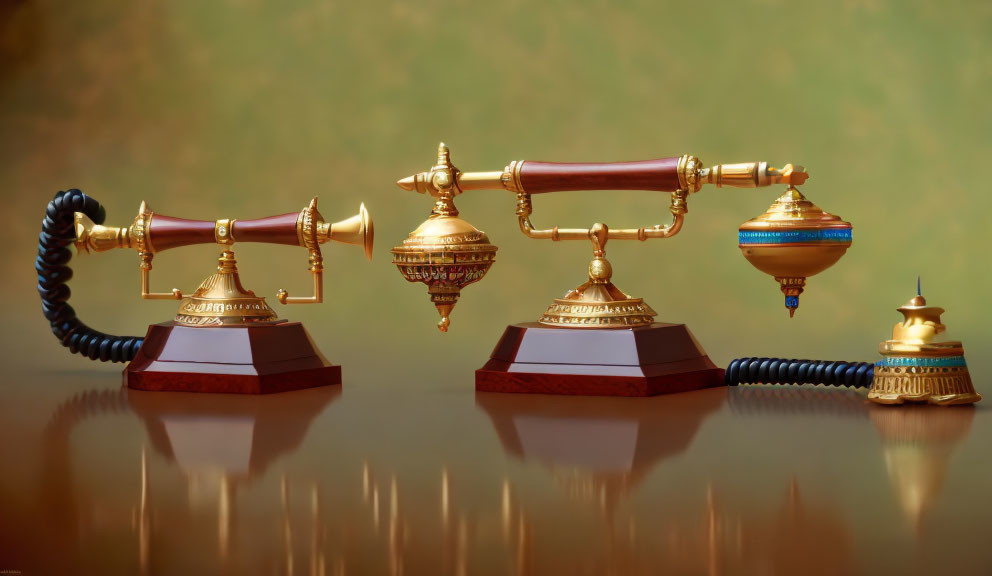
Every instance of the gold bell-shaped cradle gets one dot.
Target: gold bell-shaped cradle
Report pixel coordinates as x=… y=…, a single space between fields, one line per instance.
x=918 y=364
x=221 y=300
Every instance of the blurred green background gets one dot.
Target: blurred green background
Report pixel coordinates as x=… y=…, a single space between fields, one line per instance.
x=246 y=109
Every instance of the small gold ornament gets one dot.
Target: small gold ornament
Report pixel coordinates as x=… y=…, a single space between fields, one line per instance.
x=918 y=364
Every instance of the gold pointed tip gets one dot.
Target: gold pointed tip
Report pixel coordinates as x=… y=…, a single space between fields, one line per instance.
x=408 y=183
x=143 y=209
x=792 y=312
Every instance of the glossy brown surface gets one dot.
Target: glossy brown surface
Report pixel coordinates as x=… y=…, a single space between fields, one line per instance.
x=662 y=358
x=230 y=360
x=427 y=477
x=369 y=480
x=274 y=229
x=166 y=232
x=660 y=174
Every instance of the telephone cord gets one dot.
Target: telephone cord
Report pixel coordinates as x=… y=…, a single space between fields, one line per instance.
x=52 y=265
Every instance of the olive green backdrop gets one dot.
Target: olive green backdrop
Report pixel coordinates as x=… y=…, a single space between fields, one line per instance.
x=247 y=109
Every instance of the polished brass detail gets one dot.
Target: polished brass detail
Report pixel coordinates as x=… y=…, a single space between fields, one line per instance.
x=443 y=179
x=224 y=231
x=688 y=170
x=598 y=303
x=751 y=175
x=313 y=231
x=140 y=229
x=306 y=231
x=428 y=255
x=919 y=364
x=357 y=230
x=221 y=300
x=145 y=265
x=92 y=237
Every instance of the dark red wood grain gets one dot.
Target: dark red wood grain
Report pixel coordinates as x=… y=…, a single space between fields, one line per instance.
x=660 y=175
x=229 y=359
x=273 y=230
x=166 y=232
x=646 y=361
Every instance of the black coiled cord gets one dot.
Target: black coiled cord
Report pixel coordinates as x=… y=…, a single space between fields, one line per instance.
x=52 y=264
x=785 y=371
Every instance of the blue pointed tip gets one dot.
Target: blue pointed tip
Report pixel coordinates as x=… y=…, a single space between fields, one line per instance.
x=918 y=291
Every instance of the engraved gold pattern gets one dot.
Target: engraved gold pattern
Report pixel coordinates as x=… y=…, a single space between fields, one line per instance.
x=222 y=300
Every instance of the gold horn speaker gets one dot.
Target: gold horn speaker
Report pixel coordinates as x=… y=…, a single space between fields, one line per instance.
x=356 y=230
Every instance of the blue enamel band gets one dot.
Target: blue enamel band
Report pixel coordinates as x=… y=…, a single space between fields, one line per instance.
x=908 y=361
x=827 y=235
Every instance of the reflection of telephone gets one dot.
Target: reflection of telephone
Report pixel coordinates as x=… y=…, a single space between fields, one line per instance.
x=224 y=338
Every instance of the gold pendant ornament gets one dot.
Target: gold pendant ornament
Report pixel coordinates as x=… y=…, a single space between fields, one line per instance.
x=792 y=241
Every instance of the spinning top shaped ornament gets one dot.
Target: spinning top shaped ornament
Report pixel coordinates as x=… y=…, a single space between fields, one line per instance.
x=793 y=240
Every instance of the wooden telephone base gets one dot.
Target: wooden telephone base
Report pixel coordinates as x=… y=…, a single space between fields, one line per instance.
x=258 y=359
x=645 y=361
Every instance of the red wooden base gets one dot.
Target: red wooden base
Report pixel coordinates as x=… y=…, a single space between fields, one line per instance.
x=229 y=359
x=646 y=361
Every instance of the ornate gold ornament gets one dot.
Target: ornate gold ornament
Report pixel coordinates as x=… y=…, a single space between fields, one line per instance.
x=792 y=241
x=918 y=364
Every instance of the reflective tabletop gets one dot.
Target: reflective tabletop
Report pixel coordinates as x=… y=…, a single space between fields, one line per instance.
x=365 y=479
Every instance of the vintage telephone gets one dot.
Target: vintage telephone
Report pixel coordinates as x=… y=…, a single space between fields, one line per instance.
x=597 y=339
x=224 y=338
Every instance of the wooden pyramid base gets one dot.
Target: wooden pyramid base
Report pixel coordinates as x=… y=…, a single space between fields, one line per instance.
x=229 y=359
x=650 y=360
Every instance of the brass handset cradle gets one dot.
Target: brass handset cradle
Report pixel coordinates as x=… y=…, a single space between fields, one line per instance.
x=221 y=299
x=793 y=240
